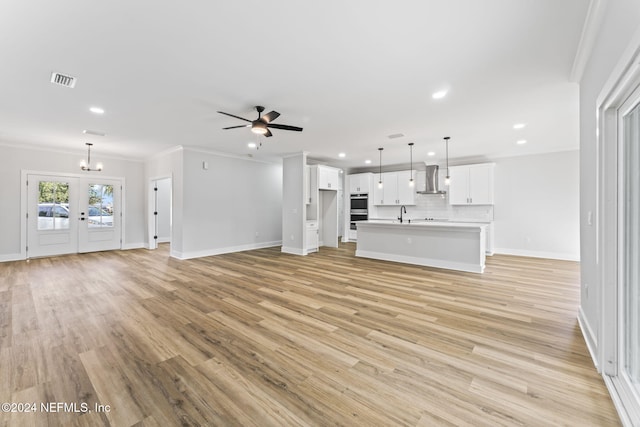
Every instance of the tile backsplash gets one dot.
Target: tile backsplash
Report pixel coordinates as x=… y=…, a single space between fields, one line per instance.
x=438 y=207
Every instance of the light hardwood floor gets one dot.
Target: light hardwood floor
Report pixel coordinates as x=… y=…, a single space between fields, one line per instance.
x=268 y=339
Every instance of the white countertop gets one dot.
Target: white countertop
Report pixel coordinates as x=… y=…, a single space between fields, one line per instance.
x=422 y=223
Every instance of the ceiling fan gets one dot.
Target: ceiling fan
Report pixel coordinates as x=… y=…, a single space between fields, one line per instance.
x=262 y=124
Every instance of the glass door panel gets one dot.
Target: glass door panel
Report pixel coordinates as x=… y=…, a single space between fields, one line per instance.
x=630 y=248
x=100 y=205
x=53 y=205
x=52 y=215
x=100 y=225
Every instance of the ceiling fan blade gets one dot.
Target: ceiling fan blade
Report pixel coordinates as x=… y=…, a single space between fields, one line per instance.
x=268 y=134
x=231 y=115
x=269 y=117
x=284 y=127
x=235 y=127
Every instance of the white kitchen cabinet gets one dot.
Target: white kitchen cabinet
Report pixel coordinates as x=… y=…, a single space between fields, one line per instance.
x=395 y=189
x=328 y=178
x=312 y=236
x=360 y=183
x=471 y=184
x=406 y=192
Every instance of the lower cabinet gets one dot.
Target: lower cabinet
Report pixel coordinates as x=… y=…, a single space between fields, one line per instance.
x=312 y=236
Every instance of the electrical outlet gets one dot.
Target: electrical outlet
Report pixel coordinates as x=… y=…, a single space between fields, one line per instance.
x=257 y=234
x=409 y=240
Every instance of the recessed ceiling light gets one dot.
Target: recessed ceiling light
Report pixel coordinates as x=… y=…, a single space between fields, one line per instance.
x=342 y=155
x=519 y=125
x=252 y=145
x=93 y=132
x=368 y=162
x=395 y=135
x=521 y=141
x=96 y=110
x=431 y=153
x=439 y=94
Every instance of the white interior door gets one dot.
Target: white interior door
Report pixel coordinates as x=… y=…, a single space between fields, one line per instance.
x=52 y=225
x=99 y=211
x=67 y=214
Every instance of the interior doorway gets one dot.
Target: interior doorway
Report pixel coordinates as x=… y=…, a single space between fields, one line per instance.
x=160 y=219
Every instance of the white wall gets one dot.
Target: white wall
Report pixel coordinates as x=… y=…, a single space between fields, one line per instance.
x=619 y=23
x=294 y=210
x=234 y=205
x=537 y=202
x=14 y=159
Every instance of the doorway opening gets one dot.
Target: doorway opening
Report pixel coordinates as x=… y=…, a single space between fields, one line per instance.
x=160 y=209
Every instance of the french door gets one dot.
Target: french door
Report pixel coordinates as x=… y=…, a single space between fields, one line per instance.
x=70 y=214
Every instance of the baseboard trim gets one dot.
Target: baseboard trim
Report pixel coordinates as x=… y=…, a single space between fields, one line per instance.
x=226 y=250
x=538 y=254
x=129 y=246
x=589 y=338
x=293 y=251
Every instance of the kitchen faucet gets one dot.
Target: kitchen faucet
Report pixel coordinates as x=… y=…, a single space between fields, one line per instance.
x=402 y=208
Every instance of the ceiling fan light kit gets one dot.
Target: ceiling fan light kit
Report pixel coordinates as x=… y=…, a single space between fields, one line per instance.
x=259 y=128
x=262 y=124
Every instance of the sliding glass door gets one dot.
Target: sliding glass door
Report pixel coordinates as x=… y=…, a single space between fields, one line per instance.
x=629 y=251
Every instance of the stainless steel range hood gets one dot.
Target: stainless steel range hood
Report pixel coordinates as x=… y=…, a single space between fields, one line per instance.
x=431 y=181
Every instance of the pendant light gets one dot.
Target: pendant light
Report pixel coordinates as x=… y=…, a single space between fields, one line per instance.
x=411 y=183
x=86 y=166
x=447 y=179
x=380 y=170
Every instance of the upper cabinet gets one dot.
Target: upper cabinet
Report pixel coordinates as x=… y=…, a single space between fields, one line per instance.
x=395 y=189
x=360 y=183
x=328 y=178
x=471 y=184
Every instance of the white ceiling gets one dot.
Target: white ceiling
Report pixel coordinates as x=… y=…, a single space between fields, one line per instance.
x=351 y=72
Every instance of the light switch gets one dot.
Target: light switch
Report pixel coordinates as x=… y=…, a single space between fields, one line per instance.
x=205 y=166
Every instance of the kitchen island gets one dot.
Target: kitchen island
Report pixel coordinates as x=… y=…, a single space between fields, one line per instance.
x=451 y=245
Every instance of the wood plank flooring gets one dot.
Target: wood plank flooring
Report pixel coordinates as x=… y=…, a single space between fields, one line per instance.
x=261 y=338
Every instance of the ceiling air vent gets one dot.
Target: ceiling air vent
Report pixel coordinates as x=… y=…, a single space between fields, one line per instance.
x=63 y=80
